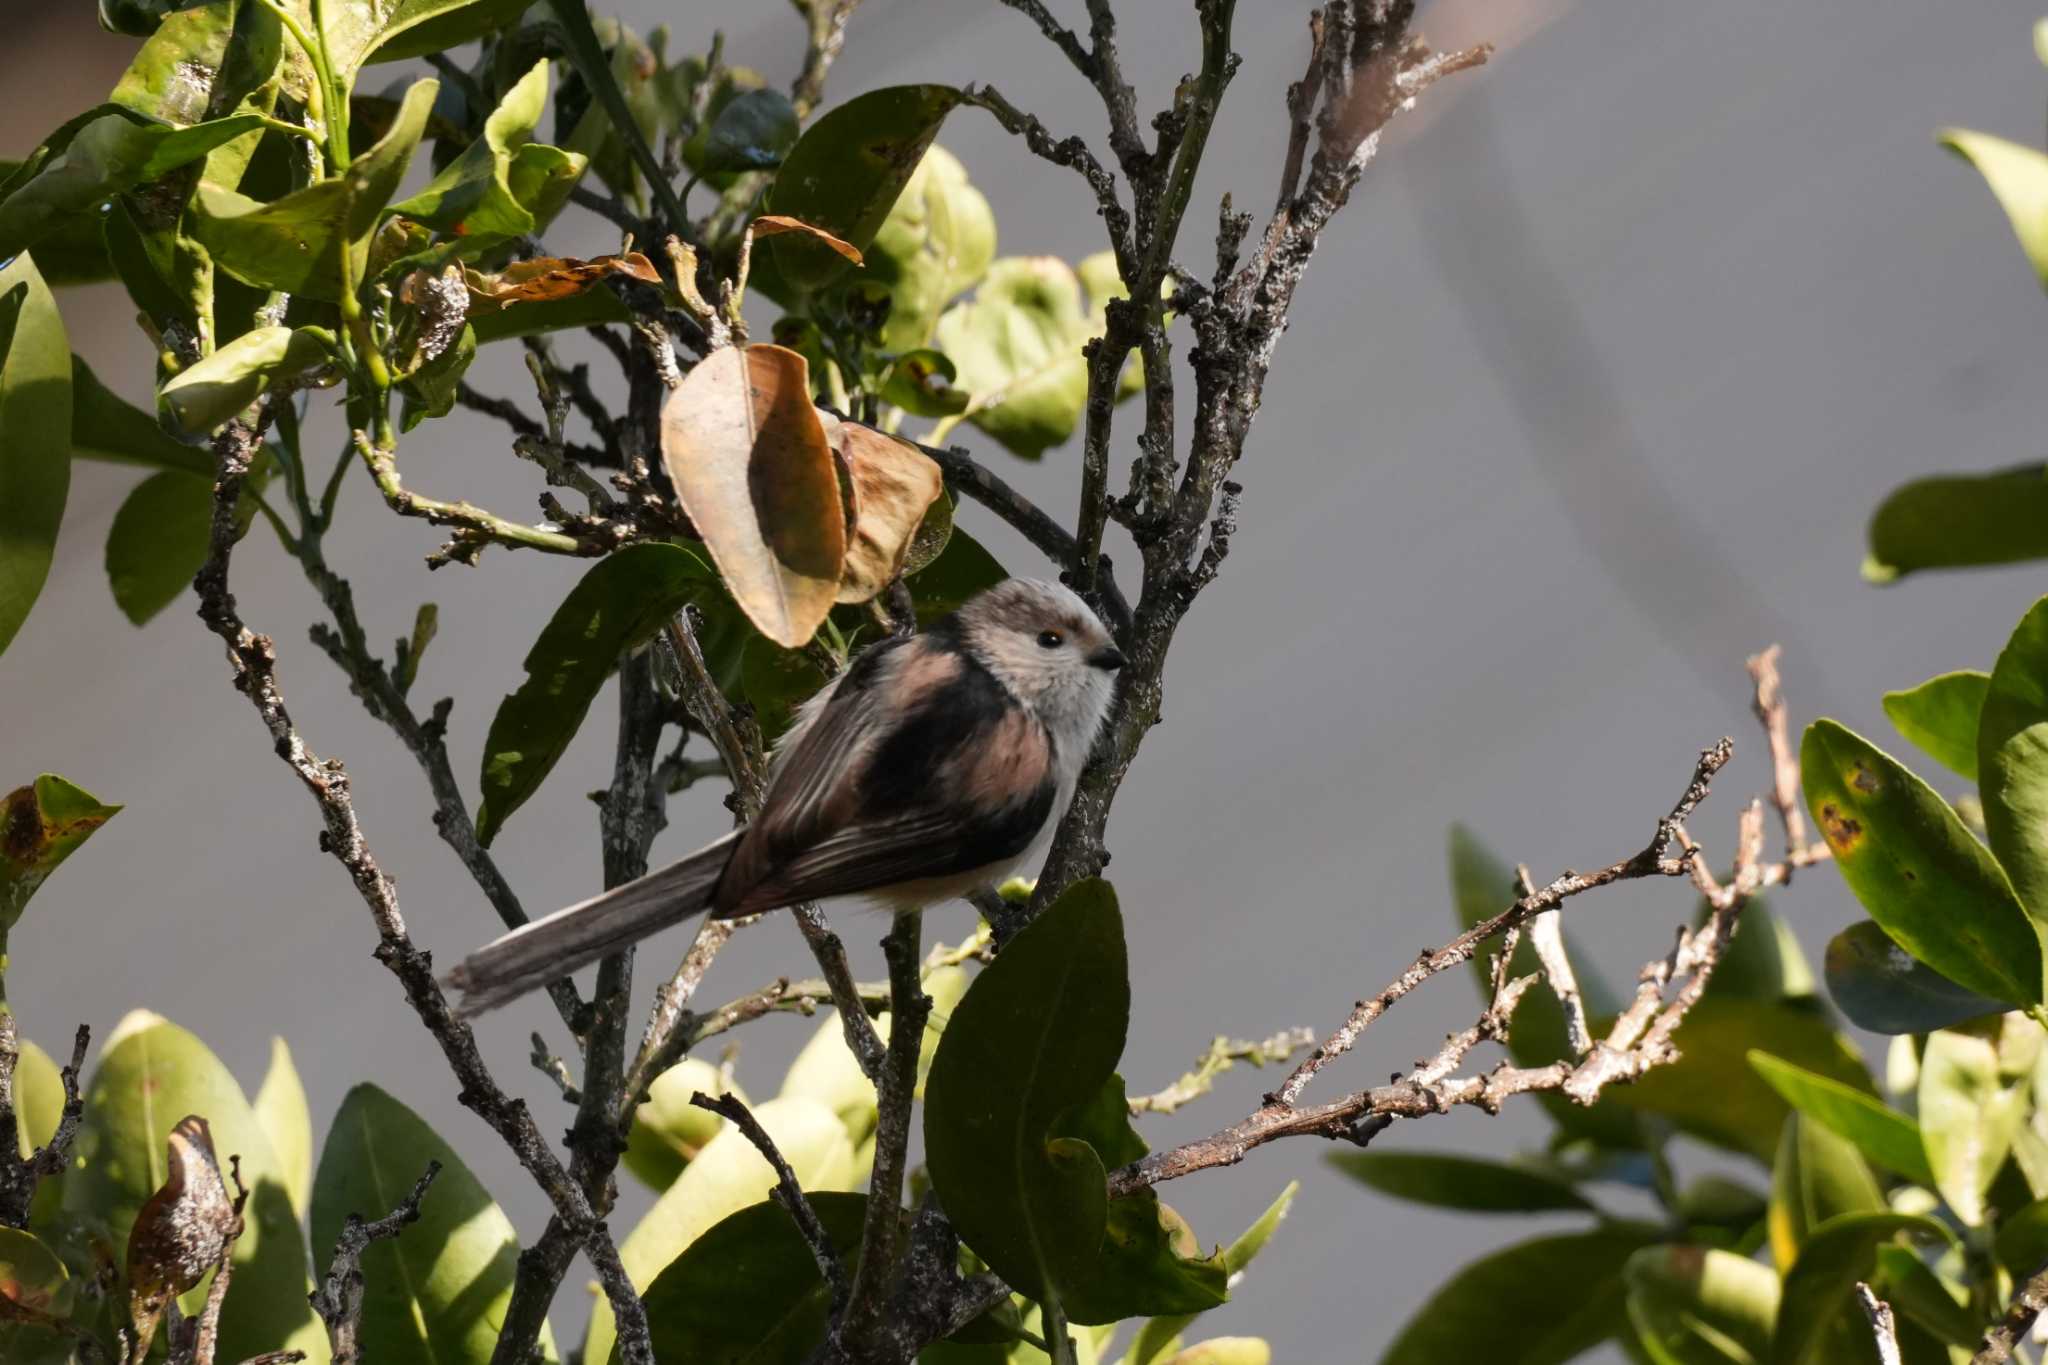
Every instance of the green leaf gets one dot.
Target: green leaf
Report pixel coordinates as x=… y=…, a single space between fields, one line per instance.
x=727 y=1176
x=1918 y=1295
x=35 y=445
x=668 y=1130
x=172 y=77
x=1817 y=1176
x=40 y=826
x=935 y=245
x=1959 y=521
x=753 y=131
x=1226 y=1351
x=826 y=1070
x=1696 y=1306
x=1715 y=1096
x=1968 y=1116
x=1880 y=1132
x=1923 y=877
x=151 y=1074
x=38 y=1097
x=2012 y=761
x=848 y=169
x=294 y=244
x=2022 y=1244
x=1881 y=988
x=1024 y=1113
x=618 y=605
x=1940 y=718
x=1564 y=1295
x=590 y=308
x=281 y=1108
x=1017 y=349
x=1763 y=961
x=1460 y=1182
x=418 y=28
x=107 y=427
x=430 y=390
x=475 y=197
x=921 y=383
x=2018 y=175
x=158 y=541
x=210 y=391
x=36 y=1289
x=961 y=570
x=749 y=1290
x=439 y=1291
x=1159 y=1335
x=98 y=154
x=1821 y=1283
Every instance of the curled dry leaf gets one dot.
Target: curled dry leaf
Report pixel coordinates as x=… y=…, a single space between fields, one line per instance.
x=748 y=455
x=894 y=484
x=774 y=224
x=183 y=1231
x=546 y=278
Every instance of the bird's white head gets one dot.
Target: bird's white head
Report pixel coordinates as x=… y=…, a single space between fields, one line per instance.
x=1044 y=644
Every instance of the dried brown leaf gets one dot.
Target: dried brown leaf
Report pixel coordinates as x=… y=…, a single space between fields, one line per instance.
x=183 y=1230
x=552 y=277
x=894 y=484
x=748 y=454
x=775 y=224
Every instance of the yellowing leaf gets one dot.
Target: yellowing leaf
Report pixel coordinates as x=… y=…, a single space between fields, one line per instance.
x=748 y=456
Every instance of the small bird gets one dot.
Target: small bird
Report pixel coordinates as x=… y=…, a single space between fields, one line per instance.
x=935 y=764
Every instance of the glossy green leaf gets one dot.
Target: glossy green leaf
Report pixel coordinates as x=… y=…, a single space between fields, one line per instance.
x=1959 y=521
x=668 y=1130
x=847 y=171
x=1697 y=1306
x=2018 y=175
x=294 y=244
x=2012 y=761
x=151 y=1074
x=749 y=1290
x=1883 y=1134
x=1817 y=1176
x=1968 y=1115
x=1159 y=1335
x=1922 y=876
x=1481 y=887
x=475 y=197
x=35 y=438
x=210 y=391
x=1460 y=1182
x=107 y=427
x=1821 y=1283
x=1715 y=1095
x=280 y=1107
x=1884 y=989
x=36 y=1289
x=1564 y=1295
x=727 y=1176
x=1024 y=1113
x=753 y=131
x=935 y=245
x=99 y=153
x=1940 y=718
x=158 y=541
x=40 y=826
x=618 y=605
x=1918 y=1295
x=173 y=76
x=439 y=1290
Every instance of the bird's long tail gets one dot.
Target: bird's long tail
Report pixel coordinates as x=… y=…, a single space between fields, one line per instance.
x=547 y=949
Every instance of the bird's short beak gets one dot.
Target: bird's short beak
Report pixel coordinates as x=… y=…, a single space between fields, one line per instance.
x=1109 y=658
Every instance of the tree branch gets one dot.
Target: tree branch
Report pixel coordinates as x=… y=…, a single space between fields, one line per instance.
x=788 y=1192
x=339 y=1299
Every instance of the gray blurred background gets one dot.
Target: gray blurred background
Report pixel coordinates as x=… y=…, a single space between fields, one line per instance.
x=1588 y=396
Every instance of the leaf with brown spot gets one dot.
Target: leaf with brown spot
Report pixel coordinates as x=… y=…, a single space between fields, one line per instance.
x=547 y=278
x=750 y=460
x=895 y=483
x=774 y=224
x=40 y=825
x=1920 y=873
x=183 y=1230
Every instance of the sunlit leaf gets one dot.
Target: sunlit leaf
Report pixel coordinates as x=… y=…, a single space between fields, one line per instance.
x=668 y=1130
x=2018 y=175
x=1968 y=1115
x=1940 y=717
x=40 y=826
x=749 y=459
x=1697 y=1306
x=935 y=245
x=475 y=196
x=548 y=279
x=1959 y=521
x=35 y=438
x=280 y=1106
x=182 y=1230
x=776 y=224
x=213 y=390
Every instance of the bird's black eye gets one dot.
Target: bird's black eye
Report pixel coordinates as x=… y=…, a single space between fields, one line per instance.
x=1051 y=639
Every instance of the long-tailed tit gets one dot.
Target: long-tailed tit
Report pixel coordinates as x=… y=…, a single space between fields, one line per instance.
x=935 y=764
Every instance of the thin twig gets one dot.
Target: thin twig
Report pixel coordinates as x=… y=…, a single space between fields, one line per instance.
x=788 y=1192
x=2027 y=1303
x=1883 y=1327
x=339 y=1299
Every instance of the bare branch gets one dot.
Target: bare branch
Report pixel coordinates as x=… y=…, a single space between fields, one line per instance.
x=788 y=1192
x=1883 y=1327
x=2027 y=1304
x=339 y=1299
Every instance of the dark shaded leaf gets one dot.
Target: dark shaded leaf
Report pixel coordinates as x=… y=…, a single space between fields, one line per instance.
x=1922 y=876
x=1459 y=1182
x=158 y=541
x=107 y=427
x=1821 y=1284
x=1817 y=1177
x=1959 y=521
x=619 y=604
x=2012 y=761
x=754 y=131
x=35 y=1292
x=1940 y=718
x=439 y=1291
x=35 y=438
x=1159 y=1335
x=847 y=170
x=1917 y=1294
x=962 y=569
x=1884 y=989
x=921 y=383
x=1763 y=961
